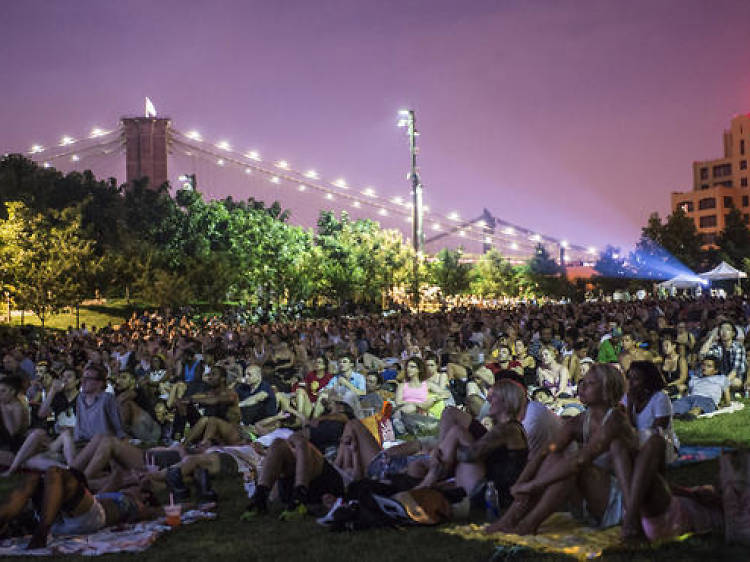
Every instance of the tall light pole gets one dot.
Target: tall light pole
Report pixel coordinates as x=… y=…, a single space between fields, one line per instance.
x=407 y=119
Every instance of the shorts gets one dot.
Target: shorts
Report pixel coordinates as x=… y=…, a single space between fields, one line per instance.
x=119 y=507
x=329 y=482
x=383 y=467
x=88 y=522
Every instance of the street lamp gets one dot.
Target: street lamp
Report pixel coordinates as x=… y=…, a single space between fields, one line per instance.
x=407 y=120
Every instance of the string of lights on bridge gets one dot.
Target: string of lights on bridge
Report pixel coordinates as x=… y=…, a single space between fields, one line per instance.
x=221 y=153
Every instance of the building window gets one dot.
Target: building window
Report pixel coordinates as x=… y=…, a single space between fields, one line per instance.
x=742 y=146
x=727 y=183
x=704 y=173
x=745 y=200
x=746 y=218
x=707 y=203
x=722 y=170
x=728 y=203
x=743 y=164
x=686 y=206
x=708 y=222
x=704 y=186
x=743 y=182
x=709 y=238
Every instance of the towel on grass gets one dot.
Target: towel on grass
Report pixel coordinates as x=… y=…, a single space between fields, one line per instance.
x=733 y=407
x=132 y=537
x=560 y=534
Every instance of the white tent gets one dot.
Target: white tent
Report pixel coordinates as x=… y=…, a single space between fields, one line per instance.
x=722 y=272
x=682 y=281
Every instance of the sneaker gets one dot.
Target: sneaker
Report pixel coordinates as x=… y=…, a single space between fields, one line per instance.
x=253 y=511
x=340 y=514
x=293 y=513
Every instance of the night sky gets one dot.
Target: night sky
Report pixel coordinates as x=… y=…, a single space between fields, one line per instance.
x=576 y=119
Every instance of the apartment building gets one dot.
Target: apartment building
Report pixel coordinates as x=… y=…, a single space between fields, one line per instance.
x=719 y=185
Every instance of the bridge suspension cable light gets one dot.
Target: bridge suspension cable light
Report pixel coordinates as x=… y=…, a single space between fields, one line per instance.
x=275 y=179
x=356 y=204
x=223 y=145
x=253 y=155
x=329 y=196
x=341 y=182
x=564 y=244
x=535 y=238
x=453 y=216
x=462 y=233
x=97 y=132
x=514 y=246
x=383 y=213
x=302 y=187
x=194 y=135
x=75 y=158
x=436 y=226
x=398 y=200
x=312 y=174
x=591 y=250
x=248 y=171
x=509 y=230
x=66 y=140
x=36 y=148
x=283 y=164
x=220 y=162
x=46 y=165
x=370 y=192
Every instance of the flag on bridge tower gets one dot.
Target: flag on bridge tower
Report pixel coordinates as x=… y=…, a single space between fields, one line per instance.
x=150 y=109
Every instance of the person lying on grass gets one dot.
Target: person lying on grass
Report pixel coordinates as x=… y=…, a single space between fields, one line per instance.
x=605 y=438
x=65 y=506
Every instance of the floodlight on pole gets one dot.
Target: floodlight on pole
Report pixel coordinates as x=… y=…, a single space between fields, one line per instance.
x=407 y=119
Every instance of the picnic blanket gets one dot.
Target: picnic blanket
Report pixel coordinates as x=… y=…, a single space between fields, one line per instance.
x=132 y=537
x=733 y=407
x=560 y=534
x=689 y=454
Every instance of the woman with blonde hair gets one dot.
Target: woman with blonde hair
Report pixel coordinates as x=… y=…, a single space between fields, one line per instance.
x=606 y=442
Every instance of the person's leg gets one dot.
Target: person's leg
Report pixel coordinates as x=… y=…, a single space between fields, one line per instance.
x=65 y=442
x=197 y=431
x=84 y=456
x=279 y=462
x=304 y=406
x=226 y=433
x=453 y=416
x=528 y=512
x=18 y=498
x=127 y=455
x=59 y=485
x=366 y=445
x=35 y=442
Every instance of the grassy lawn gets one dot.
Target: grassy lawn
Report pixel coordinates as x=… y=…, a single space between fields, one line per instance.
x=95 y=315
x=227 y=538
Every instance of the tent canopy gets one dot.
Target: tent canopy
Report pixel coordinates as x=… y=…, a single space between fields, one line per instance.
x=722 y=272
x=682 y=281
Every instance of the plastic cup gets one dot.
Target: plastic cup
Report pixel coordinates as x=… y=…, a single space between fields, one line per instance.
x=173 y=514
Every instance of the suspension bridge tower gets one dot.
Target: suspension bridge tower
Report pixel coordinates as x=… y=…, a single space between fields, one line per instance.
x=146 y=143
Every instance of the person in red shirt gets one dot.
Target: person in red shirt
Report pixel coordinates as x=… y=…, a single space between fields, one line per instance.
x=309 y=391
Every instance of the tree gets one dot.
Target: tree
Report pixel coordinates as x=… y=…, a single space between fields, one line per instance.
x=734 y=240
x=45 y=258
x=448 y=273
x=612 y=272
x=496 y=277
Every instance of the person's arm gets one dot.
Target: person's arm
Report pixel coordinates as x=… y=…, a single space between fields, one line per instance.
x=681 y=382
x=254 y=399
x=437 y=391
x=113 y=415
x=399 y=399
x=345 y=382
x=565 y=436
x=599 y=443
x=46 y=407
x=706 y=347
x=563 y=385
x=12 y=415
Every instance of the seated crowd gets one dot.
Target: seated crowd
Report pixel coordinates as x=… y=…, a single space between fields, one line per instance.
x=518 y=411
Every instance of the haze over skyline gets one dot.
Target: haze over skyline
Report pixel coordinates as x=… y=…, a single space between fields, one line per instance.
x=574 y=119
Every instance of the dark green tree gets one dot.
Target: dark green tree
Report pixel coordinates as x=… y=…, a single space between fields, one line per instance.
x=734 y=240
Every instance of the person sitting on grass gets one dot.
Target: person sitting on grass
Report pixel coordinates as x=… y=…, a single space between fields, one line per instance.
x=220 y=414
x=257 y=397
x=730 y=355
x=307 y=391
x=707 y=389
x=605 y=437
x=650 y=409
x=658 y=512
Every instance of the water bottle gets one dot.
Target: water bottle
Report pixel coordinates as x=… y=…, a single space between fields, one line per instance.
x=491 y=501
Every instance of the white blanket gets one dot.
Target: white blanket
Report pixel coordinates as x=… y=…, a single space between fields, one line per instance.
x=133 y=537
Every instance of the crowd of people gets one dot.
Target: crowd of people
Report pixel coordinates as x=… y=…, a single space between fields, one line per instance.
x=518 y=411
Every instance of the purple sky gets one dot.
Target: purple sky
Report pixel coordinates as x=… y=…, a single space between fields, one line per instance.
x=576 y=119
